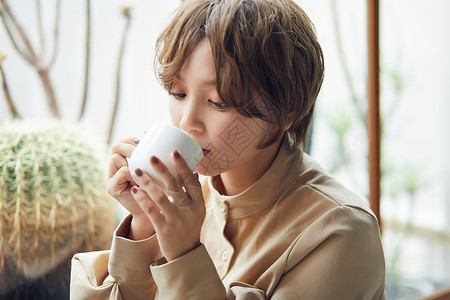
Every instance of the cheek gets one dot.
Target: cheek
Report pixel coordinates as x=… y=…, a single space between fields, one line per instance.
x=234 y=141
x=239 y=136
x=175 y=114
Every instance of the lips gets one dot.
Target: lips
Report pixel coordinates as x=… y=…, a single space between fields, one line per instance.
x=205 y=151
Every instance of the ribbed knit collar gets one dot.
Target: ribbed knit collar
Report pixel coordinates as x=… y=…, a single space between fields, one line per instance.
x=267 y=189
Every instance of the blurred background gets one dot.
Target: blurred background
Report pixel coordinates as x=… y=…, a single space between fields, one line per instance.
x=122 y=97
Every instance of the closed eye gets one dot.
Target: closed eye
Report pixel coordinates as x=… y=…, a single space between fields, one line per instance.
x=178 y=96
x=219 y=105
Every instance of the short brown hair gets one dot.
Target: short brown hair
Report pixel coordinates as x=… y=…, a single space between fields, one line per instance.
x=263 y=49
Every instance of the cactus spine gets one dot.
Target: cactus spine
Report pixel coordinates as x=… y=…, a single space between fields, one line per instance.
x=53 y=199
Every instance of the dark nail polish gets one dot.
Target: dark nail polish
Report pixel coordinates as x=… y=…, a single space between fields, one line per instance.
x=136 y=141
x=154 y=160
x=134 y=190
x=138 y=172
x=176 y=154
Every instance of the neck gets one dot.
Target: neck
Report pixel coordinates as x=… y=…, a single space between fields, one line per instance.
x=237 y=180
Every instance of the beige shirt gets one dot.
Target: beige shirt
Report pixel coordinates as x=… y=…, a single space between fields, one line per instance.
x=296 y=233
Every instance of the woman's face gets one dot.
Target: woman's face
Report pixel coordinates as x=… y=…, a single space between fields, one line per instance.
x=228 y=139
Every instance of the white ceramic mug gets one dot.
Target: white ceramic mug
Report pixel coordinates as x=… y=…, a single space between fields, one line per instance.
x=161 y=141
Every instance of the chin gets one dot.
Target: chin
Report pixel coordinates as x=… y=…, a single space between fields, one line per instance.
x=207 y=170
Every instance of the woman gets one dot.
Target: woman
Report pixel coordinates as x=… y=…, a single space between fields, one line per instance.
x=266 y=221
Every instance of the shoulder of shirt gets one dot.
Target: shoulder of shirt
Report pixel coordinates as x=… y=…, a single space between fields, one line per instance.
x=337 y=210
x=328 y=189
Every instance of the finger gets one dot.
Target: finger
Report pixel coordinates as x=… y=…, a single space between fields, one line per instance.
x=191 y=184
x=116 y=162
x=169 y=180
x=148 y=206
x=154 y=190
x=183 y=170
x=161 y=169
x=129 y=140
x=174 y=184
x=124 y=147
x=119 y=151
x=194 y=189
x=120 y=182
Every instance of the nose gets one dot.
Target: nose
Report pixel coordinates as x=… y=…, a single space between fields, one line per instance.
x=191 y=120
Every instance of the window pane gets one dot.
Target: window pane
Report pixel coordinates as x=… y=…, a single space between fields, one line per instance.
x=415 y=71
x=415 y=49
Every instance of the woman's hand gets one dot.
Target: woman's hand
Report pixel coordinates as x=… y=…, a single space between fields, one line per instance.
x=119 y=186
x=175 y=206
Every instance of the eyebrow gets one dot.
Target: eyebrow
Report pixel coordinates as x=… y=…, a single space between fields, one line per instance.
x=208 y=82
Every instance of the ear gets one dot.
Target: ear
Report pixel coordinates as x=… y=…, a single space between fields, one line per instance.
x=289 y=122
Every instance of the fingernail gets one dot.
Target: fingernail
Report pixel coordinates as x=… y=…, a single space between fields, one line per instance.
x=176 y=154
x=136 y=141
x=138 y=172
x=134 y=190
x=154 y=160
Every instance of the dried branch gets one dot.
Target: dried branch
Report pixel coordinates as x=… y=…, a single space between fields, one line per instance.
x=7 y=13
x=44 y=76
x=30 y=55
x=40 y=29
x=87 y=63
x=11 y=106
x=126 y=13
x=55 y=34
x=21 y=52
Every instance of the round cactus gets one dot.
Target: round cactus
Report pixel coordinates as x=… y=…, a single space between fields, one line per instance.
x=53 y=200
